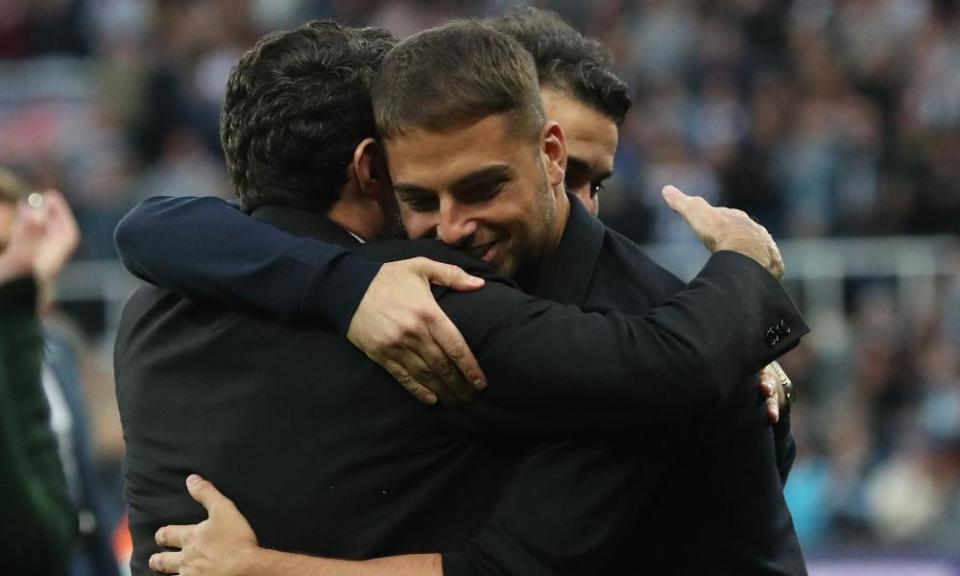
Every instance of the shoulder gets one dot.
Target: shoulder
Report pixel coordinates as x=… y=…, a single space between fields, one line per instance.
x=622 y=257
x=393 y=250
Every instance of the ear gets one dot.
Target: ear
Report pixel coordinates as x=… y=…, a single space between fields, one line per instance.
x=554 y=149
x=370 y=165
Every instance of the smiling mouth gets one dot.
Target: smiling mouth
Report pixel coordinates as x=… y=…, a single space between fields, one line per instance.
x=484 y=251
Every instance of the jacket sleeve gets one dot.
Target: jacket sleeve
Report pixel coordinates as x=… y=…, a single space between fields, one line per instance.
x=208 y=248
x=36 y=534
x=554 y=369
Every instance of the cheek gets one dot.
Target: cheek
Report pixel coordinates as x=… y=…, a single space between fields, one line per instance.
x=582 y=192
x=418 y=224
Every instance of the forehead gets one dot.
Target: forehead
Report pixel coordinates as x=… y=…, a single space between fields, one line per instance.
x=591 y=137
x=433 y=160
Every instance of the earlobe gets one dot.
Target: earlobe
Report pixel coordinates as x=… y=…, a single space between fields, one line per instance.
x=555 y=152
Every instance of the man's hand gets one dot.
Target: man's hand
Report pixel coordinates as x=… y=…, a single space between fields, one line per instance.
x=60 y=241
x=726 y=229
x=777 y=390
x=218 y=546
x=43 y=237
x=401 y=327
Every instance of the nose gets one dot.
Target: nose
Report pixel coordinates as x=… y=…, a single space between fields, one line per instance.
x=456 y=226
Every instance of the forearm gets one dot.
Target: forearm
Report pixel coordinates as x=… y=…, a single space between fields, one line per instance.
x=555 y=369
x=207 y=248
x=263 y=562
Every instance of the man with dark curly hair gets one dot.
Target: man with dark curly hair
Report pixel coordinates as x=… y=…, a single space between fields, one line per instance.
x=443 y=111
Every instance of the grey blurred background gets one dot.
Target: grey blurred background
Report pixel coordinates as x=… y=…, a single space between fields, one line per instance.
x=836 y=123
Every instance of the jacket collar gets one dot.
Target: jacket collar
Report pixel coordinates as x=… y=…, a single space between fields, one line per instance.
x=566 y=277
x=300 y=222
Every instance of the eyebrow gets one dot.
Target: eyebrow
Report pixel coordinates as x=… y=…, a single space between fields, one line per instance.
x=486 y=176
x=583 y=167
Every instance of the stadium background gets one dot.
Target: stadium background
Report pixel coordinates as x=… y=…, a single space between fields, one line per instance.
x=836 y=123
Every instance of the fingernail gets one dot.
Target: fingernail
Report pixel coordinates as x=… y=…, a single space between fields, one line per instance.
x=479 y=384
x=193 y=479
x=476 y=281
x=431 y=398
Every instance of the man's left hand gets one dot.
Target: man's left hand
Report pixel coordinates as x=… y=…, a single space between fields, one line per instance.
x=777 y=390
x=219 y=546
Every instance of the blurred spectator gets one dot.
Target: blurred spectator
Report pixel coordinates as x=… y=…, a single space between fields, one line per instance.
x=64 y=394
x=38 y=524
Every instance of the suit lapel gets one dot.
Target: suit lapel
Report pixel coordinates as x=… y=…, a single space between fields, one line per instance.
x=567 y=276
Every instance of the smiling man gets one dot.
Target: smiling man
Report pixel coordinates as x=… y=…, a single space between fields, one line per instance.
x=499 y=159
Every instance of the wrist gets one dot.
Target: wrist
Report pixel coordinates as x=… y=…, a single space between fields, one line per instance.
x=247 y=561
x=13 y=264
x=750 y=250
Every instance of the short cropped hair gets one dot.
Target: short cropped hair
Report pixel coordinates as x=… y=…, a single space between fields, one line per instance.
x=460 y=72
x=12 y=189
x=297 y=104
x=568 y=61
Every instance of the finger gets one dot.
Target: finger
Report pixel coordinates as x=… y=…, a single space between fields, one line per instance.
x=418 y=369
x=60 y=214
x=204 y=492
x=773 y=410
x=400 y=374
x=768 y=387
x=166 y=562
x=675 y=198
x=449 y=275
x=456 y=349
x=443 y=370
x=174 y=536
x=768 y=382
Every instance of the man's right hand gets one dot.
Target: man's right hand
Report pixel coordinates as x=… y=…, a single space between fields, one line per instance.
x=726 y=229
x=43 y=238
x=400 y=326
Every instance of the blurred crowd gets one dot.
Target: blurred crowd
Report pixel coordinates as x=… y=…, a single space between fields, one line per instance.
x=821 y=118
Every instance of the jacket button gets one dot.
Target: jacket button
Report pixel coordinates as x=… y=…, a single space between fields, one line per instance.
x=783 y=328
x=773 y=337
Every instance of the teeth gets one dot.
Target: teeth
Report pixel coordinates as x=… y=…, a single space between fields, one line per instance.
x=480 y=250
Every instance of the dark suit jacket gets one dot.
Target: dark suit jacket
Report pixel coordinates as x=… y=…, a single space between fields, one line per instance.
x=697 y=496
x=327 y=455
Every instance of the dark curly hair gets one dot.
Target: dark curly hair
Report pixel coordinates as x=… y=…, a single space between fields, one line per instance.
x=567 y=61
x=297 y=104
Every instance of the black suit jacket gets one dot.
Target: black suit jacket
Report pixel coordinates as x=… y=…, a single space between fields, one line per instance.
x=326 y=455
x=698 y=495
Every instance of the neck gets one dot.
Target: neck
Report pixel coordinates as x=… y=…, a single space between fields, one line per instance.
x=560 y=217
x=558 y=225
x=356 y=218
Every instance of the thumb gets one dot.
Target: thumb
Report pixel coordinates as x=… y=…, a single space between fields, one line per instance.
x=204 y=492
x=450 y=276
x=676 y=199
